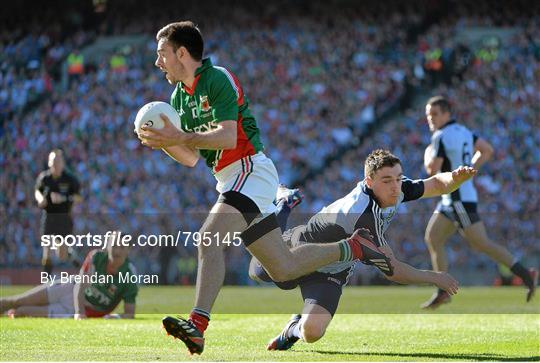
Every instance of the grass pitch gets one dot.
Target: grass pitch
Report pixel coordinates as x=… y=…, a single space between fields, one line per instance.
x=373 y=324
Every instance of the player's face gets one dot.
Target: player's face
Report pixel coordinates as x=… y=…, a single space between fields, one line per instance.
x=386 y=185
x=118 y=253
x=56 y=162
x=436 y=118
x=168 y=62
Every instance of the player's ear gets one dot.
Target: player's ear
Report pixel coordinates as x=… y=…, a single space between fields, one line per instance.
x=180 y=52
x=369 y=181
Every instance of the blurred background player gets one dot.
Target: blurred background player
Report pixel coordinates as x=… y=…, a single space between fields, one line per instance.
x=55 y=192
x=371 y=206
x=452 y=145
x=81 y=300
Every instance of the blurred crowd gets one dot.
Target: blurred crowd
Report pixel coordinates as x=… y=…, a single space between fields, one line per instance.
x=499 y=99
x=318 y=77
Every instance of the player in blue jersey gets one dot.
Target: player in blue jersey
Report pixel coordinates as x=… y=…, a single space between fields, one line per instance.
x=370 y=206
x=453 y=145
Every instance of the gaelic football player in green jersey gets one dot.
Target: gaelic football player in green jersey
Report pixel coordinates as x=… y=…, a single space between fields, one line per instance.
x=102 y=283
x=218 y=126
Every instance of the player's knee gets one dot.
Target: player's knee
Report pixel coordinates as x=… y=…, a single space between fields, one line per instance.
x=280 y=274
x=312 y=330
x=479 y=245
x=209 y=249
x=432 y=241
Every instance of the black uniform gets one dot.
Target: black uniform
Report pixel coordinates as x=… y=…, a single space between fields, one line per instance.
x=56 y=218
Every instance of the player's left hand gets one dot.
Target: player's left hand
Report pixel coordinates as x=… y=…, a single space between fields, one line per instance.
x=162 y=138
x=463 y=173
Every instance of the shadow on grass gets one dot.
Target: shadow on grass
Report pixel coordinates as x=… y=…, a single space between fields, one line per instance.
x=444 y=356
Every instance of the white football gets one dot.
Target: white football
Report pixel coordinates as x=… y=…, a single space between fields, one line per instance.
x=148 y=115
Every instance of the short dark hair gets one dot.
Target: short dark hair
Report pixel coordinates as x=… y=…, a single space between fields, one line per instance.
x=377 y=160
x=440 y=101
x=183 y=34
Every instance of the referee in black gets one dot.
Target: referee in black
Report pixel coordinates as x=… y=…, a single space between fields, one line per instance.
x=55 y=192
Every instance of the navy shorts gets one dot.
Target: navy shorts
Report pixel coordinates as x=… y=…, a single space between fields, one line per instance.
x=463 y=214
x=323 y=289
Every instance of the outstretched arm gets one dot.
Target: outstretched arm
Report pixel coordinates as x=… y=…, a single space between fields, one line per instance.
x=445 y=183
x=406 y=274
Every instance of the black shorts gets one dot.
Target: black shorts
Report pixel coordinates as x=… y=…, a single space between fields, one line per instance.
x=323 y=289
x=463 y=214
x=319 y=288
x=60 y=224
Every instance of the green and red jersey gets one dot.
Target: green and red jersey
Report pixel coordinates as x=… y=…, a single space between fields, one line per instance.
x=103 y=298
x=217 y=96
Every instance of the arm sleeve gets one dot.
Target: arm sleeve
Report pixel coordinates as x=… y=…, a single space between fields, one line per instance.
x=39 y=183
x=437 y=145
x=223 y=97
x=88 y=264
x=412 y=189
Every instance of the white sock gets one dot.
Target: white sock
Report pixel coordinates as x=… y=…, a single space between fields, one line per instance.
x=295 y=332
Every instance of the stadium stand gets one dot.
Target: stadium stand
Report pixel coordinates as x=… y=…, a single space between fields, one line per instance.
x=320 y=78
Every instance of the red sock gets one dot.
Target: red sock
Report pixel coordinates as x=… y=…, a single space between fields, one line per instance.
x=356 y=249
x=200 y=321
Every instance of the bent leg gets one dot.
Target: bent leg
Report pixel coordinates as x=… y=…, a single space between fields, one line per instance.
x=36 y=296
x=315 y=320
x=283 y=264
x=477 y=237
x=33 y=311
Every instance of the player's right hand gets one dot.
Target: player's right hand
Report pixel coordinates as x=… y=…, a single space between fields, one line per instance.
x=446 y=282
x=57 y=198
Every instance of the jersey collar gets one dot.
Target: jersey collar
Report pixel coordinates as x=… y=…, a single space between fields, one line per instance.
x=452 y=121
x=206 y=64
x=367 y=190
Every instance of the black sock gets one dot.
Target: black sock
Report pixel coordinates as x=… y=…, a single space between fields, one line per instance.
x=282 y=214
x=523 y=273
x=48 y=267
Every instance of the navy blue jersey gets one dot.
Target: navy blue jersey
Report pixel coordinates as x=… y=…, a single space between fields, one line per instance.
x=358 y=209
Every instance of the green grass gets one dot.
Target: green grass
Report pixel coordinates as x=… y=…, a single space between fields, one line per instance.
x=481 y=324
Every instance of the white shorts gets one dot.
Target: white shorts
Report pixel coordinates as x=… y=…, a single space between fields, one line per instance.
x=255 y=177
x=60 y=298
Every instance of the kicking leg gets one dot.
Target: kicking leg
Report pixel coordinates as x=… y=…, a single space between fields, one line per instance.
x=476 y=236
x=263 y=241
